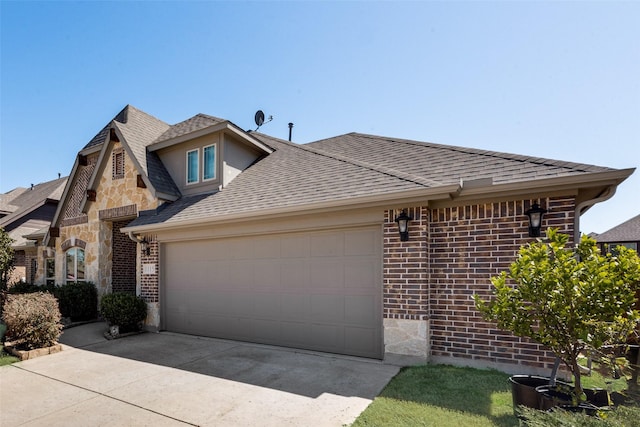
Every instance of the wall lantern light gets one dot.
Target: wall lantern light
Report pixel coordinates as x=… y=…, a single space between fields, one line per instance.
x=144 y=246
x=403 y=225
x=535 y=214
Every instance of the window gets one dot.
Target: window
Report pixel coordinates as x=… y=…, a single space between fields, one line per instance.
x=209 y=154
x=192 y=166
x=117 y=162
x=74 y=265
x=50 y=271
x=613 y=247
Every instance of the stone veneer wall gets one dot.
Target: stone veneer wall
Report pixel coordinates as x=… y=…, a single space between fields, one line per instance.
x=111 y=193
x=469 y=244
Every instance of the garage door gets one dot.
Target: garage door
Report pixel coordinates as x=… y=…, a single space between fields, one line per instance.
x=316 y=290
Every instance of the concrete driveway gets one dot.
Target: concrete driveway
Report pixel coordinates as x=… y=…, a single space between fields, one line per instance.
x=170 y=379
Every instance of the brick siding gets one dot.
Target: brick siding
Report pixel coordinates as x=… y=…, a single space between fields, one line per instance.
x=149 y=284
x=123 y=272
x=450 y=258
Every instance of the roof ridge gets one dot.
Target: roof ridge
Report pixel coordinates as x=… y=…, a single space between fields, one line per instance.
x=380 y=169
x=582 y=167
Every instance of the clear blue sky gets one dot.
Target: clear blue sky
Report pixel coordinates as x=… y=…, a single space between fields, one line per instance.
x=552 y=79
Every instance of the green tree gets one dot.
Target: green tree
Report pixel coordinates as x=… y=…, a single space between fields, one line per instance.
x=568 y=299
x=6 y=258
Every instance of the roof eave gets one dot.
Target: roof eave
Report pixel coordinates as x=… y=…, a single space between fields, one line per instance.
x=537 y=186
x=226 y=125
x=445 y=192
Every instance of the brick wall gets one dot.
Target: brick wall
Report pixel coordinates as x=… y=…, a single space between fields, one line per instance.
x=405 y=267
x=149 y=289
x=451 y=255
x=470 y=244
x=123 y=272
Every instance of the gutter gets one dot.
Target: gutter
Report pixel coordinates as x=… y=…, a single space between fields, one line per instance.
x=584 y=206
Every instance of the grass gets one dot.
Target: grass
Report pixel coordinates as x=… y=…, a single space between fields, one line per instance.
x=7 y=359
x=439 y=395
x=443 y=396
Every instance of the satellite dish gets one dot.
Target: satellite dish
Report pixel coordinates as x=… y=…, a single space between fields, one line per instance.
x=259 y=118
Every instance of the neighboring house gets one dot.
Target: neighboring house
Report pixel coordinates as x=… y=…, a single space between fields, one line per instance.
x=626 y=234
x=235 y=234
x=25 y=214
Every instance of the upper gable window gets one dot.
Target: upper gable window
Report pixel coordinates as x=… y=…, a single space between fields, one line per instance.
x=192 y=166
x=118 y=164
x=209 y=159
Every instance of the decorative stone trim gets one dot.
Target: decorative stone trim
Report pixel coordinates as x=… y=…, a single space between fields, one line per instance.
x=73 y=242
x=32 y=354
x=406 y=338
x=74 y=221
x=120 y=212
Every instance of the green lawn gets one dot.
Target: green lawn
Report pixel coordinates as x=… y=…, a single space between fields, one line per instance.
x=6 y=359
x=442 y=396
x=438 y=395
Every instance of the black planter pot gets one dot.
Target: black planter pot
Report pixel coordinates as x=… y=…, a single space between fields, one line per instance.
x=551 y=397
x=523 y=390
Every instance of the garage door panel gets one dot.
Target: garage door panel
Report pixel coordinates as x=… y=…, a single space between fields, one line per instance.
x=327 y=273
x=327 y=308
x=317 y=290
x=295 y=306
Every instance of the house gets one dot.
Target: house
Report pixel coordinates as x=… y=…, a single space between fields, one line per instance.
x=25 y=214
x=625 y=234
x=235 y=234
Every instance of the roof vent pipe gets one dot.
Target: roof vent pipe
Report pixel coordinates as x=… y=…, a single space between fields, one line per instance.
x=290 y=128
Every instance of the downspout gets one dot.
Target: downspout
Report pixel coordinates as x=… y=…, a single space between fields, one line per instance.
x=582 y=206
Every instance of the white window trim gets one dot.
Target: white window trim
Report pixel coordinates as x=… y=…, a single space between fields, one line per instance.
x=197 y=151
x=215 y=161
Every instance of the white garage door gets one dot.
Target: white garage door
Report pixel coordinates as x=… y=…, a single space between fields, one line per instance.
x=317 y=290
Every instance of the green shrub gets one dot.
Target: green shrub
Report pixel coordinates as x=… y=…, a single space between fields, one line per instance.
x=28 y=288
x=124 y=310
x=78 y=300
x=33 y=320
x=620 y=416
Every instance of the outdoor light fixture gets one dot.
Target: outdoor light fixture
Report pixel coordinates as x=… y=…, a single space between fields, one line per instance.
x=403 y=225
x=535 y=214
x=144 y=246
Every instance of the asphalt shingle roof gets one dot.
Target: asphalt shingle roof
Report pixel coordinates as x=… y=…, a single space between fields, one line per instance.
x=448 y=164
x=352 y=166
x=195 y=123
x=141 y=130
x=31 y=198
x=628 y=231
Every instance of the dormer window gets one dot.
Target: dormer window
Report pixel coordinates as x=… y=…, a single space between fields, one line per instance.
x=209 y=159
x=207 y=165
x=192 y=166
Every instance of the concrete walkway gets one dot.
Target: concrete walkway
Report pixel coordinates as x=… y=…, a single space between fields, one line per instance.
x=170 y=379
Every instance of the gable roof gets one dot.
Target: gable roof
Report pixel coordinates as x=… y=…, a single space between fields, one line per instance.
x=32 y=198
x=357 y=169
x=6 y=207
x=136 y=130
x=628 y=231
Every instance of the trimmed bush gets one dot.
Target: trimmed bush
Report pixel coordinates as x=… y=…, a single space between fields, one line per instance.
x=124 y=310
x=28 y=288
x=78 y=300
x=33 y=320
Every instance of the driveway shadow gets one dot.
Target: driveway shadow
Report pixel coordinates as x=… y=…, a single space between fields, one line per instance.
x=303 y=373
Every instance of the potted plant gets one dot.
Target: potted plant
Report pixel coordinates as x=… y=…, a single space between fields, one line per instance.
x=569 y=299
